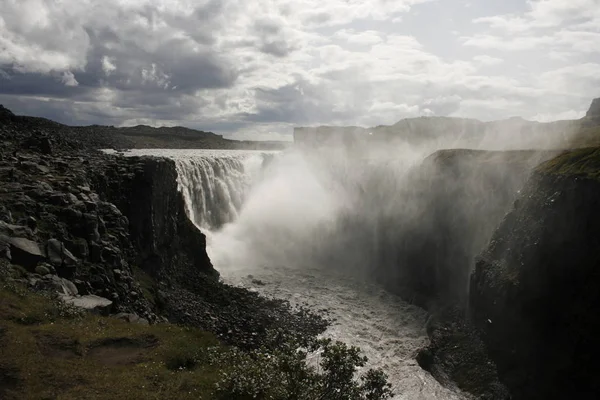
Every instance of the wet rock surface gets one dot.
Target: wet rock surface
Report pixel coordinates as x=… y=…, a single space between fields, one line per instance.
x=534 y=293
x=236 y=315
x=453 y=202
x=458 y=357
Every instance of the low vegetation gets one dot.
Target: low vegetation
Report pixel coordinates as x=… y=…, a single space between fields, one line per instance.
x=49 y=350
x=583 y=162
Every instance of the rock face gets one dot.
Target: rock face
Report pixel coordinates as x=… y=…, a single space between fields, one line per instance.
x=167 y=243
x=53 y=224
x=25 y=252
x=534 y=294
x=111 y=235
x=452 y=204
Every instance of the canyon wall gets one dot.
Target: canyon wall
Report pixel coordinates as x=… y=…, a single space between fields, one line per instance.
x=444 y=214
x=534 y=293
x=167 y=243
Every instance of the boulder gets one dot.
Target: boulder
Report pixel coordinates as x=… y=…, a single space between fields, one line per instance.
x=42 y=270
x=33 y=166
x=56 y=284
x=79 y=247
x=89 y=302
x=24 y=252
x=91 y=227
x=58 y=254
x=5 y=248
x=14 y=230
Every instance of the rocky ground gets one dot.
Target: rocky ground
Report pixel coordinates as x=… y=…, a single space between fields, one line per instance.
x=107 y=234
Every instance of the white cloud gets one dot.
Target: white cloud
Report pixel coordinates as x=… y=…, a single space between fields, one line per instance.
x=108 y=65
x=486 y=41
x=68 y=79
x=366 y=38
x=487 y=60
x=579 y=80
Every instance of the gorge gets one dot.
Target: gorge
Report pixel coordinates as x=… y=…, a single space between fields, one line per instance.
x=491 y=254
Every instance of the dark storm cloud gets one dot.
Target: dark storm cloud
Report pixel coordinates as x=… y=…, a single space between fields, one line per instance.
x=148 y=60
x=18 y=83
x=59 y=110
x=297 y=103
x=176 y=65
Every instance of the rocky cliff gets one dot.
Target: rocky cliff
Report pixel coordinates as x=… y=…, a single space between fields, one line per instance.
x=167 y=243
x=447 y=210
x=56 y=230
x=110 y=234
x=594 y=110
x=534 y=293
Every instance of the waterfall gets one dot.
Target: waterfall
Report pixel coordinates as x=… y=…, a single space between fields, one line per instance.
x=214 y=185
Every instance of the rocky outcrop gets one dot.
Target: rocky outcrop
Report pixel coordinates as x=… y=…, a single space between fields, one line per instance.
x=457 y=357
x=110 y=234
x=534 y=294
x=167 y=244
x=54 y=227
x=594 y=110
x=449 y=208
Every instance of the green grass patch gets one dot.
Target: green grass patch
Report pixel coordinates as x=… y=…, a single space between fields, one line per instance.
x=147 y=284
x=51 y=351
x=583 y=162
x=48 y=354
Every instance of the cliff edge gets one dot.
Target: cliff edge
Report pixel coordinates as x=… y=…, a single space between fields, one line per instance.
x=534 y=292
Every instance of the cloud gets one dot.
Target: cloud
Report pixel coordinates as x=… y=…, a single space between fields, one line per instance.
x=518 y=43
x=558 y=25
x=108 y=65
x=487 y=60
x=259 y=67
x=68 y=79
x=544 y=14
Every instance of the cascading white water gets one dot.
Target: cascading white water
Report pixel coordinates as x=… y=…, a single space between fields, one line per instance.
x=282 y=230
x=215 y=184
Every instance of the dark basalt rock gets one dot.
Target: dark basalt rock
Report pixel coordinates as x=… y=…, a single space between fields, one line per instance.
x=117 y=229
x=24 y=252
x=458 y=357
x=58 y=255
x=167 y=243
x=453 y=202
x=534 y=293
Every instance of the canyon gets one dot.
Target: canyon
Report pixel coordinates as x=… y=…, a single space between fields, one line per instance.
x=498 y=245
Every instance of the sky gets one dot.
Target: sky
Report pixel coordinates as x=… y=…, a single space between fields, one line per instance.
x=254 y=69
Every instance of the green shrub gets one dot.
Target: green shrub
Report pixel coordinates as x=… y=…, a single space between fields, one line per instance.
x=284 y=374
